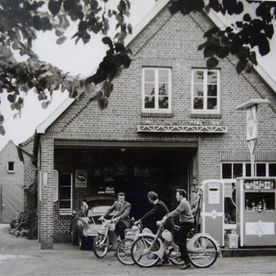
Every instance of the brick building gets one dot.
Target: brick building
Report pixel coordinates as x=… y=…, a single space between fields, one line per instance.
x=11 y=183
x=170 y=122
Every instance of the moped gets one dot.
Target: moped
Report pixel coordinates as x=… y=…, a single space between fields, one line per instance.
x=148 y=249
x=105 y=239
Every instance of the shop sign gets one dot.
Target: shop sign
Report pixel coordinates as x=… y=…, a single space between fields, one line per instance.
x=80 y=178
x=251 y=123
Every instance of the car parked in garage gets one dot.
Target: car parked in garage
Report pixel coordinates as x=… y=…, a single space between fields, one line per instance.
x=84 y=229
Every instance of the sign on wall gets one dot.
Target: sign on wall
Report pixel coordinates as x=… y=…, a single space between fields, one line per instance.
x=80 y=178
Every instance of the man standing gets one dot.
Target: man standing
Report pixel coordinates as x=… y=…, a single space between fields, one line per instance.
x=158 y=211
x=121 y=217
x=84 y=208
x=186 y=220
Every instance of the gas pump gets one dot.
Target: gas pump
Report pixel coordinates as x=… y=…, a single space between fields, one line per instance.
x=212 y=212
x=256 y=211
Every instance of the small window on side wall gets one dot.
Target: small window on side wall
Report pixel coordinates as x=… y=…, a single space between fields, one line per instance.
x=156 y=90
x=205 y=91
x=11 y=167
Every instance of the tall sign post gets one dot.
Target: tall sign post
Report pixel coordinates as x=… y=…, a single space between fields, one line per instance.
x=252 y=127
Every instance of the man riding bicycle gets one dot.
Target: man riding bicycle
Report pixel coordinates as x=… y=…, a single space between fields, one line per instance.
x=121 y=217
x=158 y=211
x=186 y=220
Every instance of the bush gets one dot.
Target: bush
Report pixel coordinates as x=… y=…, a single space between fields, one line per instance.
x=25 y=225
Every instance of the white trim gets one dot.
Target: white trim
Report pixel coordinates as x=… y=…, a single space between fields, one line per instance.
x=41 y=128
x=8 y=170
x=54 y=115
x=160 y=4
x=244 y=163
x=145 y=21
x=156 y=109
x=205 y=110
x=241 y=214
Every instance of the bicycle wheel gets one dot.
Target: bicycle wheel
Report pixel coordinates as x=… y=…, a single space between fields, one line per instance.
x=144 y=253
x=204 y=253
x=100 y=246
x=123 y=251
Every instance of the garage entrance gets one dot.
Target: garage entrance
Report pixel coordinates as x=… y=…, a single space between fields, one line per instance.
x=133 y=170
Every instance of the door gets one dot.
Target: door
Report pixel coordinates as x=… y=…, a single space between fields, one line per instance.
x=11 y=202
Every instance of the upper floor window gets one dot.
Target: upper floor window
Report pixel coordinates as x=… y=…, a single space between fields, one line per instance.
x=156 y=90
x=205 y=91
x=11 y=167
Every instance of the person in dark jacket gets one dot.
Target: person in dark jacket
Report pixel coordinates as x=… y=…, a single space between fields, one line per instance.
x=158 y=211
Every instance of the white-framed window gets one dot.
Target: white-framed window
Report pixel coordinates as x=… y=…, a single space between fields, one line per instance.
x=65 y=183
x=11 y=167
x=231 y=170
x=156 y=89
x=205 y=91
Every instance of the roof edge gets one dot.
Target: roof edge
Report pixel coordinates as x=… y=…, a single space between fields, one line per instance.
x=41 y=128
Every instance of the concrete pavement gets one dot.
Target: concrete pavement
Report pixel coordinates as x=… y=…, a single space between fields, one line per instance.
x=19 y=256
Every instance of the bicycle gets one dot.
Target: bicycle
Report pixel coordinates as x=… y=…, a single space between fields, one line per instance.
x=149 y=249
x=105 y=239
x=123 y=251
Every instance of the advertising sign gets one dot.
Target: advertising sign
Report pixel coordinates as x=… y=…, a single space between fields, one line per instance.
x=80 y=178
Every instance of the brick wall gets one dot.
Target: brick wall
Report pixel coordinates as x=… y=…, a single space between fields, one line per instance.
x=29 y=172
x=167 y=40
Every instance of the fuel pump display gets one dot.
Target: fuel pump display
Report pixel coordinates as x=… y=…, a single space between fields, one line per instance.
x=256 y=212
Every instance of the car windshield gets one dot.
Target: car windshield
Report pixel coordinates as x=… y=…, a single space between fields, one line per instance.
x=97 y=211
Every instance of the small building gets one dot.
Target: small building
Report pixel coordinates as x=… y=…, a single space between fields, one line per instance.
x=171 y=122
x=11 y=183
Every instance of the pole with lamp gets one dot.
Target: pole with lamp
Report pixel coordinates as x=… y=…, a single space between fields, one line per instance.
x=251 y=107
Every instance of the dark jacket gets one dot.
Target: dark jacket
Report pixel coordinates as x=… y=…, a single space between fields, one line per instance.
x=158 y=211
x=121 y=211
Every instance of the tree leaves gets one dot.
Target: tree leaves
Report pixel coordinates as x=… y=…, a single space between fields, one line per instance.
x=54 y=6
x=212 y=62
x=21 y=20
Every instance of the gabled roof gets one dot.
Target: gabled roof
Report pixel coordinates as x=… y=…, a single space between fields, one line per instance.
x=160 y=4
x=8 y=143
x=146 y=20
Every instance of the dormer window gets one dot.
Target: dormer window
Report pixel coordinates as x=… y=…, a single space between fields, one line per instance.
x=156 y=90
x=205 y=91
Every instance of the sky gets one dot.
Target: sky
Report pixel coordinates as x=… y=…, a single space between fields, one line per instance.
x=76 y=59
x=73 y=58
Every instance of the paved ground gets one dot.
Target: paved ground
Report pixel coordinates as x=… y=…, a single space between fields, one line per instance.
x=19 y=256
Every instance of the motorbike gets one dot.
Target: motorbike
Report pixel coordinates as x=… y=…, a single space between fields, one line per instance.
x=149 y=249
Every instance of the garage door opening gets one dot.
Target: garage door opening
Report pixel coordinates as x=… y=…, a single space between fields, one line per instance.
x=134 y=171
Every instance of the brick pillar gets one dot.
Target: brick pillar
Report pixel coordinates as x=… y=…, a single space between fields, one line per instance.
x=46 y=203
